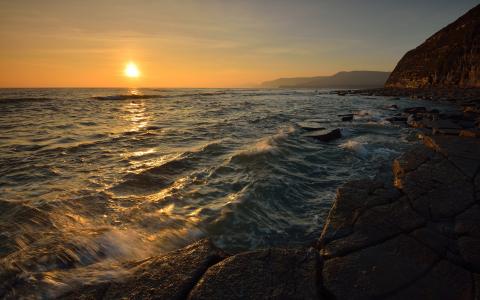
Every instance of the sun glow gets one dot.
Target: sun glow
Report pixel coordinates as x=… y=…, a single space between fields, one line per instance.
x=131 y=70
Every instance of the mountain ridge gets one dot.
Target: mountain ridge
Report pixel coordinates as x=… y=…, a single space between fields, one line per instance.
x=344 y=79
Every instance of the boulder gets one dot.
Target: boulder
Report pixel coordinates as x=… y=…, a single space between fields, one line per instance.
x=310 y=126
x=169 y=276
x=327 y=136
x=414 y=110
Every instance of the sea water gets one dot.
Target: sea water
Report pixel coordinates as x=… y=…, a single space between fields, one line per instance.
x=91 y=178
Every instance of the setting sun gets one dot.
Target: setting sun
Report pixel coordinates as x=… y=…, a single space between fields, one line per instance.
x=131 y=70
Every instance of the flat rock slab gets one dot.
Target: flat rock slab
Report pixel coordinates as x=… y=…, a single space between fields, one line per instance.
x=327 y=136
x=472 y=133
x=265 y=274
x=444 y=281
x=376 y=271
x=170 y=276
x=440 y=124
x=422 y=242
x=463 y=152
x=310 y=126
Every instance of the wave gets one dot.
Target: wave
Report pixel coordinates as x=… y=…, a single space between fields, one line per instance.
x=385 y=153
x=126 y=97
x=355 y=146
x=154 y=179
x=159 y=177
x=24 y=99
x=265 y=145
x=361 y=150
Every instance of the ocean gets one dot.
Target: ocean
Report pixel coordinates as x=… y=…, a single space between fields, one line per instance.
x=93 y=178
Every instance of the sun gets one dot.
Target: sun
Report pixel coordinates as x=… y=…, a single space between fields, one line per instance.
x=131 y=70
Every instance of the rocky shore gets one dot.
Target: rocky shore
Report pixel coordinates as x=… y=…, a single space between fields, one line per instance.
x=453 y=95
x=412 y=235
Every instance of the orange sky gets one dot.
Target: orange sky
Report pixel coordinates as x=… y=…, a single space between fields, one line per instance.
x=207 y=43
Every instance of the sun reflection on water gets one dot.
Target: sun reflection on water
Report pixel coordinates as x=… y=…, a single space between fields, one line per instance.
x=136 y=113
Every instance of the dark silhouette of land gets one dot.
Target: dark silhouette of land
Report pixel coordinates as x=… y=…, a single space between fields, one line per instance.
x=341 y=80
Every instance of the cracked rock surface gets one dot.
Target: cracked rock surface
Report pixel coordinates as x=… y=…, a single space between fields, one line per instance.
x=264 y=274
x=422 y=242
x=170 y=276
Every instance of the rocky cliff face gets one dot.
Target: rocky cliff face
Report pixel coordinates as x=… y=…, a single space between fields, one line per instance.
x=450 y=58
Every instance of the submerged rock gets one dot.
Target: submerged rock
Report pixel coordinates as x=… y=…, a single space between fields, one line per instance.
x=414 y=110
x=327 y=136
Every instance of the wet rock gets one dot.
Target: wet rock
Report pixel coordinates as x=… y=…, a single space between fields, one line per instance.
x=471 y=107
x=460 y=151
x=408 y=162
x=466 y=124
x=437 y=125
x=327 y=136
x=414 y=110
x=169 y=276
x=444 y=281
x=470 y=251
x=433 y=238
x=467 y=223
x=436 y=189
x=441 y=124
x=375 y=225
x=347 y=118
x=310 y=126
x=446 y=131
x=379 y=270
x=352 y=199
x=470 y=116
x=264 y=274
x=397 y=119
x=473 y=133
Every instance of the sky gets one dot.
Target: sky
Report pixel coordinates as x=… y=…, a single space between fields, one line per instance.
x=208 y=43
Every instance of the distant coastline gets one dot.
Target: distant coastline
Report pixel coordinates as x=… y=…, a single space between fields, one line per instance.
x=340 y=80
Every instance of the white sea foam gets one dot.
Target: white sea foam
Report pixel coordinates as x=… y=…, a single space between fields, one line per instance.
x=267 y=144
x=356 y=147
x=385 y=152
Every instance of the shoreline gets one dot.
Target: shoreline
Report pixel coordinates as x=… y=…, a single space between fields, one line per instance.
x=412 y=234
